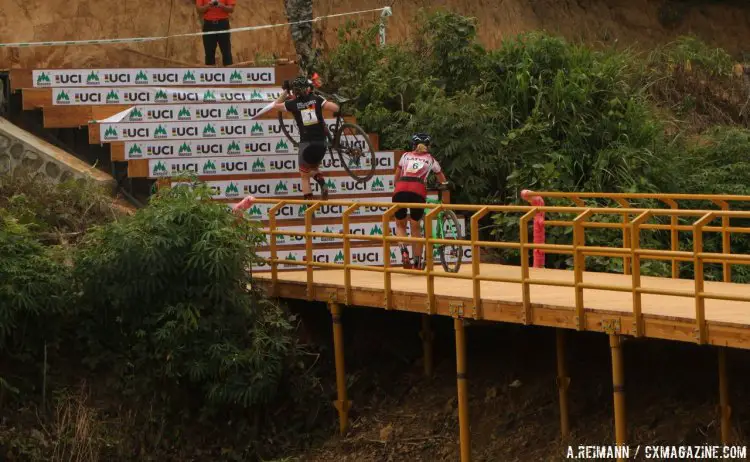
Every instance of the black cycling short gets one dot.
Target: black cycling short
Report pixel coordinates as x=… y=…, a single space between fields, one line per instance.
x=408 y=197
x=310 y=155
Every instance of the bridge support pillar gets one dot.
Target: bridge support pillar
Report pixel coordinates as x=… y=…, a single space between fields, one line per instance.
x=342 y=404
x=463 y=391
x=427 y=338
x=726 y=410
x=618 y=386
x=563 y=381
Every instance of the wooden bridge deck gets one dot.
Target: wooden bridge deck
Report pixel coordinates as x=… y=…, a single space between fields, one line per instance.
x=664 y=316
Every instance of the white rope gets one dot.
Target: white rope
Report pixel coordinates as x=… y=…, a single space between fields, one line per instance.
x=385 y=11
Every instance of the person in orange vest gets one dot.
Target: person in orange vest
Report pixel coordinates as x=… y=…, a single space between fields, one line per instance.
x=215 y=14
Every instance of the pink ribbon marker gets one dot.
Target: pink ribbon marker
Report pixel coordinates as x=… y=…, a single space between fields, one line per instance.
x=536 y=201
x=244 y=204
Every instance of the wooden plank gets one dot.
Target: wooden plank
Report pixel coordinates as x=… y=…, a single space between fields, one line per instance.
x=34 y=98
x=20 y=78
x=665 y=317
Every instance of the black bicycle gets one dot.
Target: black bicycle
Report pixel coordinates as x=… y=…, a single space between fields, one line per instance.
x=349 y=140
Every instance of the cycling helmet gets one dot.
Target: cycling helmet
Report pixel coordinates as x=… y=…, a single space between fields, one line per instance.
x=301 y=84
x=420 y=138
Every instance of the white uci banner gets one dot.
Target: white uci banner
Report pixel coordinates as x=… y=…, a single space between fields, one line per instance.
x=243 y=165
x=366 y=256
x=160 y=76
x=161 y=95
x=292 y=212
x=280 y=187
x=188 y=112
x=363 y=229
x=109 y=132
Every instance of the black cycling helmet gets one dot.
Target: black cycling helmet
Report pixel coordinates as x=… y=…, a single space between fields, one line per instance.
x=420 y=138
x=301 y=84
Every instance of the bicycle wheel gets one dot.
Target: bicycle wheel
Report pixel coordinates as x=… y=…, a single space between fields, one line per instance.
x=450 y=254
x=294 y=139
x=355 y=152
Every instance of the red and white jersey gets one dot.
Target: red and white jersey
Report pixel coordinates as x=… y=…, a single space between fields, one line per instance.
x=415 y=168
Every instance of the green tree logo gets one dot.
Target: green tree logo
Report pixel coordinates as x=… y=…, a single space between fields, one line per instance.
x=160 y=132
x=281 y=188
x=159 y=169
x=184 y=114
x=161 y=96
x=232 y=113
x=282 y=146
x=232 y=190
x=236 y=77
x=43 y=79
x=136 y=114
x=376 y=230
x=209 y=167
x=92 y=79
x=185 y=150
x=209 y=96
x=259 y=165
x=209 y=130
x=234 y=148
x=135 y=151
x=255 y=212
x=63 y=97
x=110 y=133
x=327 y=238
x=141 y=77
x=339 y=258
x=256 y=130
x=188 y=77
x=331 y=185
x=256 y=95
x=377 y=185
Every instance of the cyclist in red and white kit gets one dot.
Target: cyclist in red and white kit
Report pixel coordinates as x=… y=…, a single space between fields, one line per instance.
x=411 y=188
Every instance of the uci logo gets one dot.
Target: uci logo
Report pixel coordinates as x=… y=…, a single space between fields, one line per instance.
x=76 y=79
x=366 y=257
x=218 y=77
x=161 y=114
x=90 y=98
x=162 y=150
x=322 y=258
x=163 y=77
x=233 y=97
x=209 y=149
x=136 y=96
x=353 y=186
x=238 y=130
x=186 y=96
x=331 y=163
x=192 y=167
x=259 y=77
x=258 y=147
x=117 y=78
x=185 y=131
x=135 y=132
x=283 y=165
x=239 y=166
x=209 y=113
x=331 y=210
x=262 y=189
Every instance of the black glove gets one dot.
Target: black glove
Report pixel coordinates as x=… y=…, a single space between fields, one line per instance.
x=443 y=186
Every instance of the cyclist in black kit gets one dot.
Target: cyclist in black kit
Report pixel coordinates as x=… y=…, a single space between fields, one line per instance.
x=307 y=109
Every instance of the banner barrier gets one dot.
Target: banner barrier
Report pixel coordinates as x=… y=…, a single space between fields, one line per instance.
x=364 y=229
x=243 y=165
x=154 y=149
x=188 y=112
x=295 y=212
x=367 y=256
x=280 y=187
x=161 y=95
x=65 y=78
x=109 y=132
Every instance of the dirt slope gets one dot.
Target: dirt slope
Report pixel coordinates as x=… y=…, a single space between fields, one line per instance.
x=627 y=21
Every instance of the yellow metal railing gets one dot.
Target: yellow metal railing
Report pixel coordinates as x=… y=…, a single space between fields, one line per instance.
x=624 y=200
x=577 y=248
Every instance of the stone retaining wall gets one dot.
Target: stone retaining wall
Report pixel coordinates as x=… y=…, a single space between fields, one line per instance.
x=21 y=153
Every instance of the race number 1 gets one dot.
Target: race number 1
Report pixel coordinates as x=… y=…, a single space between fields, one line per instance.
x=309 y=117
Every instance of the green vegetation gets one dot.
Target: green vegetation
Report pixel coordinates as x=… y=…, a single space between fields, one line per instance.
x=541 y=113
x=158 y=310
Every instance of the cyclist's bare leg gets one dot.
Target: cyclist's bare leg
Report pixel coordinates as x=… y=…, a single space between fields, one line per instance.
x=306 y=189
x=401 y=232
x=416 y=231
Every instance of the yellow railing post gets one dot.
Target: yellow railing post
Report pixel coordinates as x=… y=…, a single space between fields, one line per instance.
x=463 y=391
x=700 y=301
x=342 y=404
x=524 y=254
x=309 y=249
x=274 y=254
x=476 y=261
x=347 y=252
x=579 y=265
x=635 y=245
x=726 y=240
x=430 y=258
x=674 y=237
x=388 y=295
x=626 y=236
x=618 y=389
